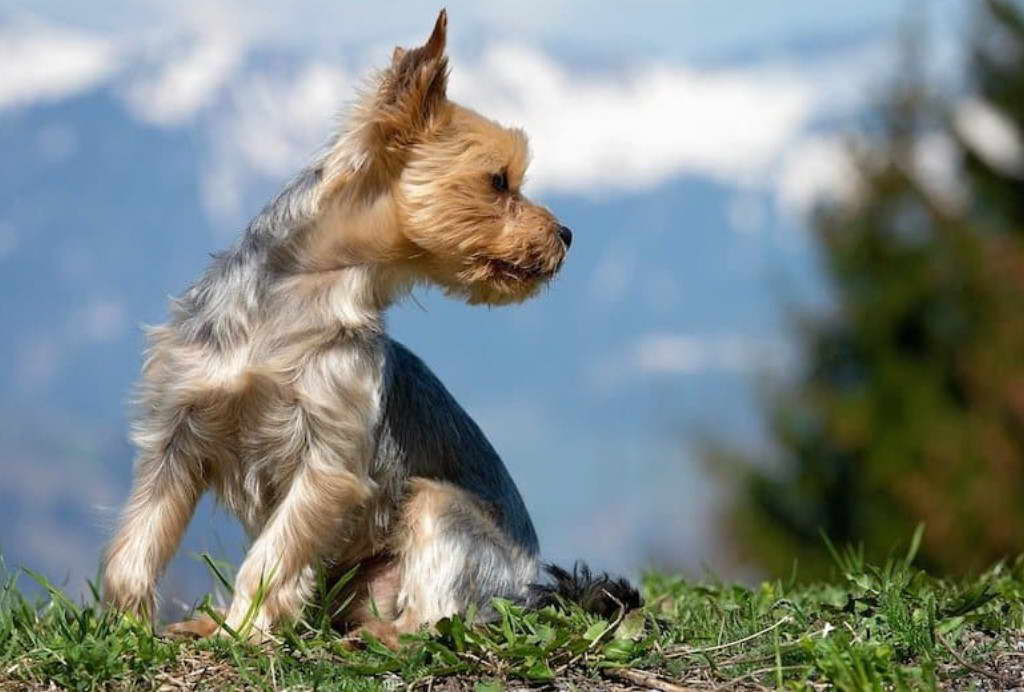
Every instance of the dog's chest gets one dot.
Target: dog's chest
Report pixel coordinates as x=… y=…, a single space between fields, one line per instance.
x=295 y=404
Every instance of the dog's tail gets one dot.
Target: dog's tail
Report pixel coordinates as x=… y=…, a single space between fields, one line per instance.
x=597 y=593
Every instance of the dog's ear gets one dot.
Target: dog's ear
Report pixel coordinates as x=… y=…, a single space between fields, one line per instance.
x=402 y=105
x=412 y=91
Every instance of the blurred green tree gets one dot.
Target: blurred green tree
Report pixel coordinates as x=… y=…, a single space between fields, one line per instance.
x=909 y=405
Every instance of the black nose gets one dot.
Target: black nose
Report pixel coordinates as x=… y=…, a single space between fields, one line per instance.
x=566 y=235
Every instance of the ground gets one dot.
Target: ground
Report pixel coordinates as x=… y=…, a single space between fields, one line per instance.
x=872 y=627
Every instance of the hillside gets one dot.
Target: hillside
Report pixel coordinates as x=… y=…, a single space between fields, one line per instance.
x=889 y=627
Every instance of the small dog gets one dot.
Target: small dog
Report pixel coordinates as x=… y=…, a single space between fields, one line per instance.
x=275 y=385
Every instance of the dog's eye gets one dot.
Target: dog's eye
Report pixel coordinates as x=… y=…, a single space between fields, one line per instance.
x=500 y=182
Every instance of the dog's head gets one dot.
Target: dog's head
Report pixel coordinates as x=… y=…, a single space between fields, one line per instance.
x=455 y=178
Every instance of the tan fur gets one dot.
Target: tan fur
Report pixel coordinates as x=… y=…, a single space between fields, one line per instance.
x=399 y=592
x=274 y=402
x=419 y=542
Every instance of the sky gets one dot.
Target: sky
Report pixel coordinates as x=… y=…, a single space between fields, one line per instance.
x=727 y=90
x=684 y=142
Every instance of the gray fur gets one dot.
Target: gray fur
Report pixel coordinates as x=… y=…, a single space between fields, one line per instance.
x=427 y=433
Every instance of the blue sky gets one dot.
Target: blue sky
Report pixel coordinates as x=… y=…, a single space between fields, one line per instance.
x=683 y=141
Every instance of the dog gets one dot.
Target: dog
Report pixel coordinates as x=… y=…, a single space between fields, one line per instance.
x=275 y=385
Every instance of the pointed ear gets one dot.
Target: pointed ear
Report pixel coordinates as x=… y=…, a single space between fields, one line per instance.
x=412 y=90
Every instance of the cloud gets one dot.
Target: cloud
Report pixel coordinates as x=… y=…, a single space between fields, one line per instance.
x=680 y=354
x=634 y=123
x=675 y=29
x=605 y=131
x=620 y=128
x=687 y=354
x=817 y=168
x=591 y=132
x=187 y=82
x=48 y=64
x=276 y=121
x=610 y=131
x=269 y=128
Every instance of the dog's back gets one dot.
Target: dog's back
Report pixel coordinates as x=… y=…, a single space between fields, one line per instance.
x=425 y=433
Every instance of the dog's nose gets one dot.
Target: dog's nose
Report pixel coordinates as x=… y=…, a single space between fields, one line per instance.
x=566 y=235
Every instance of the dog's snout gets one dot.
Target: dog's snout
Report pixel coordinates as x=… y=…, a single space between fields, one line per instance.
x=566 y=235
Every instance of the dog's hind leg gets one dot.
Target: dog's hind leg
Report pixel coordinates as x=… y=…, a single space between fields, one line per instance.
x=451 y=553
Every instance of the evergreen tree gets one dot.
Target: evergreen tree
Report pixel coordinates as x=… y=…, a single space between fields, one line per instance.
x=909 y=406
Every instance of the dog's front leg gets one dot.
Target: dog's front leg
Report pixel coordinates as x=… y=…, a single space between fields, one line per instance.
x=164 y=495
x=170 y=477
x=276 y=577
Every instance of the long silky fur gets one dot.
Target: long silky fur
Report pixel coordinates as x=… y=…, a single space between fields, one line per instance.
x=597 y=593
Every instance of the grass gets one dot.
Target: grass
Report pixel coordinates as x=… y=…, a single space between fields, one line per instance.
x=872 y=628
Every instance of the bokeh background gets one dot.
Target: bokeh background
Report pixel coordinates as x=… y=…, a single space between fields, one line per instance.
x=778 y=317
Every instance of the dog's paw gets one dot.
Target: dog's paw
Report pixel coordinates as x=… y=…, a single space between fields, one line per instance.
x=384 y=632
x=202 y=627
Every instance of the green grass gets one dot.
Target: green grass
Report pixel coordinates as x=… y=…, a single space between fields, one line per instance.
x=888 y=627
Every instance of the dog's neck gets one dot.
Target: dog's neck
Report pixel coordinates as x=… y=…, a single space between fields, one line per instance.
x=345 y=268
x=352 y=298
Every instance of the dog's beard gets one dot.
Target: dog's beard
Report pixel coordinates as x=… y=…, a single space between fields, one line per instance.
x=501 y=282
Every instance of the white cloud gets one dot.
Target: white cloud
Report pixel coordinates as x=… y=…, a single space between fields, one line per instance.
x=45 y=64
x=619 y=129
x=186 y=82
x=687 y=354
x=817 y=168
x=269 y=128
x=631 y=131
x=276 y=122
x=591 y=133
x=681 y=354
x=754 y=127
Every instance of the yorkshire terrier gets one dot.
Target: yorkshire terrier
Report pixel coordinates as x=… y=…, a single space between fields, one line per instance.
x=275 y=384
